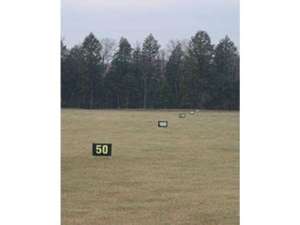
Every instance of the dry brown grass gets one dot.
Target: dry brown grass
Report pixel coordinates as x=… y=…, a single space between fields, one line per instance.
x=187 y=174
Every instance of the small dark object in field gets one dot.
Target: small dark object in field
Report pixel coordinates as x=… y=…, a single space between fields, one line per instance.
x=181 y=115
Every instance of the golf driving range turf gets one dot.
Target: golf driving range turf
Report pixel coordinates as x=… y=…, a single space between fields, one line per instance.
x=186 y=174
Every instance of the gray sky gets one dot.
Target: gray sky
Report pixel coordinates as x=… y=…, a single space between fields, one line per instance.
x=135 y=19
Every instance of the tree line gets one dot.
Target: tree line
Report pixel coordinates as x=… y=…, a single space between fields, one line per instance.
x=190 y=74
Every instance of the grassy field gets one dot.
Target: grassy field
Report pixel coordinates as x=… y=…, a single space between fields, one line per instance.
x=187 y=174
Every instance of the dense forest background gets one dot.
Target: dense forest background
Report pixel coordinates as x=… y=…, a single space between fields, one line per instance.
x=188 y=74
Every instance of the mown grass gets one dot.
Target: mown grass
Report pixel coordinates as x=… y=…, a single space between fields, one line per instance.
x=186 y=174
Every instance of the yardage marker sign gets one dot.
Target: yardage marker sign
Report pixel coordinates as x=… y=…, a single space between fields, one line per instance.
x=163 y=123
x=100 y=149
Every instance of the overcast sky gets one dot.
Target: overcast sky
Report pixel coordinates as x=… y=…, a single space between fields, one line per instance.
x=135 y=19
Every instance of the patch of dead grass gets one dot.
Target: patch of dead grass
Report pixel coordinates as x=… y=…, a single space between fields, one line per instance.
x=187 y=173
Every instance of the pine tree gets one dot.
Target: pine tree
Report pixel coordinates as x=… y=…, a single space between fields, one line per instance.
x=119 y=75
x=174 y=75
x=198 y=70
x=65 y=81
x=92 y=78
x=226 y=75
x=136 y=93
x=76 y=70
x=150 y=70
x=71 y=73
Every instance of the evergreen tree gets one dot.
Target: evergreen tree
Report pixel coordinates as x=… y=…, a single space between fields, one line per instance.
x=65 y=81
x=76 y=71
x=150 y=71
x=136 y=93
x=91 y=85
x=71 y=73
x=226 y=75
x=174 y=75
x=198 y=70
x=119 y=76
